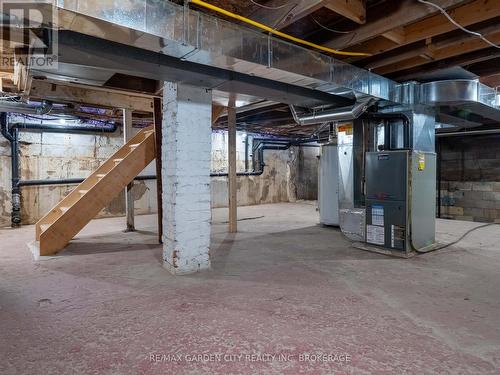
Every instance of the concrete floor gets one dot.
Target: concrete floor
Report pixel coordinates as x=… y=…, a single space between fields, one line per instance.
x=282 y=286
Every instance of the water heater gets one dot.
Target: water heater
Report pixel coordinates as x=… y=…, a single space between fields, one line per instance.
x=328 y=197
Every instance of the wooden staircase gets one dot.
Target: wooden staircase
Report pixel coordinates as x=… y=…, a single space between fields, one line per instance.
x=64 y=221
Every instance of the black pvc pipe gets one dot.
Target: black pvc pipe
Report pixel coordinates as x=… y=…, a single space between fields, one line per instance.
x=69 y=181
x=239 y=174
x=276 y=145
x=256 y=145
x=295 y=141
x=4 y=128
x=12 y=135
x=65 y=128
x=260 y=144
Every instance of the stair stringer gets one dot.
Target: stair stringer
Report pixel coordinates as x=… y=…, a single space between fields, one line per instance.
x=96 y=192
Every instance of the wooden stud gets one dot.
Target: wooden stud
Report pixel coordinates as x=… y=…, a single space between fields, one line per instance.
x=129 y=199
x=397 y=36
x=233 y=204
x=443 y=50
x=487 y=56
x=287 y=15
x=408 y=11
x=103 y=97
x=355 y=10
x=468 y=14
x=158 y=123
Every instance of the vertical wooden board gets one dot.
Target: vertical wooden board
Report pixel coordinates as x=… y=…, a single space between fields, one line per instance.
x=129 y=199
x=158 y=123
x=233 y=220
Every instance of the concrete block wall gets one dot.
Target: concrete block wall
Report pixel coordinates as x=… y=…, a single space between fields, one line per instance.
x=472 y=201
x=470 y=178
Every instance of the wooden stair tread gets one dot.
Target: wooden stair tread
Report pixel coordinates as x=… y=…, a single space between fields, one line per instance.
x=75 y=211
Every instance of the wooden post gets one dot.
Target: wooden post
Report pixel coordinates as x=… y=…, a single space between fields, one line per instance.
x=232 y=190
x=129 y=199
x=158 y=120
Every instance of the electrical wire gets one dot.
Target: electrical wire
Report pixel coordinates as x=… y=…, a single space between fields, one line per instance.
x=328 y=29
x=458 y=240
x=481 y=36
x=268 y=7
x=273 y=31
x=244 y=219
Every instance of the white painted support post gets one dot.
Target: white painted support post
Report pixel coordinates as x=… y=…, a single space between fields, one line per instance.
x=186 y=154
x=232 y=188
x=129 y=199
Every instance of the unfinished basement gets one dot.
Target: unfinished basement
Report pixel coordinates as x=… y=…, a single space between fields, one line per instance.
x=250 y=187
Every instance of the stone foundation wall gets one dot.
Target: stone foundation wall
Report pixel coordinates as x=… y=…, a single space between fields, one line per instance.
x=289 y=175
x=56 y=156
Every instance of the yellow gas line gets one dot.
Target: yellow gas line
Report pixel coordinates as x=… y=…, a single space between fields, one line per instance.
x=273 y=31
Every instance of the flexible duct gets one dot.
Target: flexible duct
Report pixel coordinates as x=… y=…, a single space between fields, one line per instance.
x=338 y=114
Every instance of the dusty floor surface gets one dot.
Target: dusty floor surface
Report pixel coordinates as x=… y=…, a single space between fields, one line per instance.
x=282 y=286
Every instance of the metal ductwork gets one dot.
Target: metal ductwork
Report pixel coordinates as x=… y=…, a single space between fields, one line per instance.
x=338 y=114
x=197 y=37
x=466 y=133
x=464 y=99
x=197 y=48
